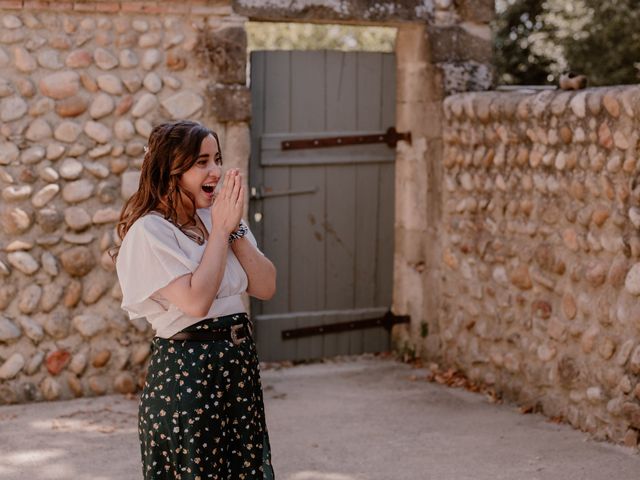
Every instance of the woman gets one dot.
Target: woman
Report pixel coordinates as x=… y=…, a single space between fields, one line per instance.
x=184 y=261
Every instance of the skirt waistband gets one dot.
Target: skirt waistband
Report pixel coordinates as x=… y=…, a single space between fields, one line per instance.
x=223 y=321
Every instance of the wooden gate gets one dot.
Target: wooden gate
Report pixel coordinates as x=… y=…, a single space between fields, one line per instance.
x=324 y=216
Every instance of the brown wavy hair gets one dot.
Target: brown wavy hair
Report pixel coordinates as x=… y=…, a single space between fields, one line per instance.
x=173 y=148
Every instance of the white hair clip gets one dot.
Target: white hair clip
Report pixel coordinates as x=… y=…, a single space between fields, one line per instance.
x=145 y=148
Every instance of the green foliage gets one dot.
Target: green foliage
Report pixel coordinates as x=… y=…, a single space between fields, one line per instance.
x=536 y=40
x=308 y=36
x=516 y=59
x=608 y=49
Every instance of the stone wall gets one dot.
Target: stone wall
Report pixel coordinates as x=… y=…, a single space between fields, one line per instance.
x=450 y=54
x=540 y=251
x=81 y=85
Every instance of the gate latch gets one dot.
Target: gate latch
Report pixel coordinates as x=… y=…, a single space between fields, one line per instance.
x=390 y=137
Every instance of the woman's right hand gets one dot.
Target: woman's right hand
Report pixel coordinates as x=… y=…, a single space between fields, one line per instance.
x=228 y=205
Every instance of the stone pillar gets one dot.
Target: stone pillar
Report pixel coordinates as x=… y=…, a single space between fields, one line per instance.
x=418 y=110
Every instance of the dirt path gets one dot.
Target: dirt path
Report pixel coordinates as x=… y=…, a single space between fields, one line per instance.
x=359 y=419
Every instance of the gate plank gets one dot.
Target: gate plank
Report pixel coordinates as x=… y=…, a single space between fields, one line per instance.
x=341 y=91
x=308 y=111
x=276 y=236
x=339 y=229
x=369 y=86
x=388 y=91
x=277 y=91
x=307 y=240
x=384 y=273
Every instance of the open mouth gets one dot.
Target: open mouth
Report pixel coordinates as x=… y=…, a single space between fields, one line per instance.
x=208 y=188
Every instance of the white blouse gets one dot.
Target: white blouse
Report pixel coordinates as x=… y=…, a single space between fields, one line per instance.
x=153 y=253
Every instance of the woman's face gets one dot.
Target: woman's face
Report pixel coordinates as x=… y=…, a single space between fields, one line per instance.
x=201 y=179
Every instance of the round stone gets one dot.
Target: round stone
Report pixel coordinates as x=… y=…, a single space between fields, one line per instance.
x=34 y=363
x=77 y=261
x=24 y=62
x=41 y=106
x=15 y=221
x=151 y=39
x=140 y=354
x=140 y=26
x=104 y=59
x=152 y=82
x=72 y=106
x=8 y=330
x=11 y=22
x=38 y=130
x=88 y=324
x=132 y=82
x=77 y=218
x=124 y=130
x=33 y=155
x=77 y=191
x=145 y=104
x=50 y=388
x=70 y=169
x=31 y=328
x=79 y=59
x=101 y=106
x=73 y=294
x=15 y=193
x=6 y=88
x=78 y=363
x=49 y=59
x=106 y=215
x=12 y=108
x=172 y=82
x=67 y=131
x=97 y=131
x=60 y=85
x=100 y=151
x=183 y=104
x=143 y=127
x=24 y=262
x=75 y=385
x=49 y=264
x=45 y=195
x=124 y=383
x=12 y=366
x=632 y=280
x=110 y=84
x=128 y=59
x=130 y=184
x=101 y=358
x=98 y=385
x=151 y=58
x=57 y=325
x=51 y=295
x=54 y=152
x=8 y=153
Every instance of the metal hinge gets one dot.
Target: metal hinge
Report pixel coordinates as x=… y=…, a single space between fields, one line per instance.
x=258 y=193
x=387 y=321
x=390 y=137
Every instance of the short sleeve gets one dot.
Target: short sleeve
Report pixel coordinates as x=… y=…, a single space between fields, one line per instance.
x=250 y=236
x=149 y=259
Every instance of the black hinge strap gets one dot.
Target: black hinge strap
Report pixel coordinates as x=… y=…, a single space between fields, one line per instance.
x=386 y=321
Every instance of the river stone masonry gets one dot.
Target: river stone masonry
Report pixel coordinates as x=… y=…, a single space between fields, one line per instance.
x=541 y=251
x=81 y=86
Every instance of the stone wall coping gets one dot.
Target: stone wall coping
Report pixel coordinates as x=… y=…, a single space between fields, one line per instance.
x=186 y=7
x=538 y=104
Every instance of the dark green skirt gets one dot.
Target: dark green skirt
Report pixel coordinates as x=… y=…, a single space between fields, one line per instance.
x=201 y=413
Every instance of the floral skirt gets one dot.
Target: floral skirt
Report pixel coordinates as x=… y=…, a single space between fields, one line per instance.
x=201 y=413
